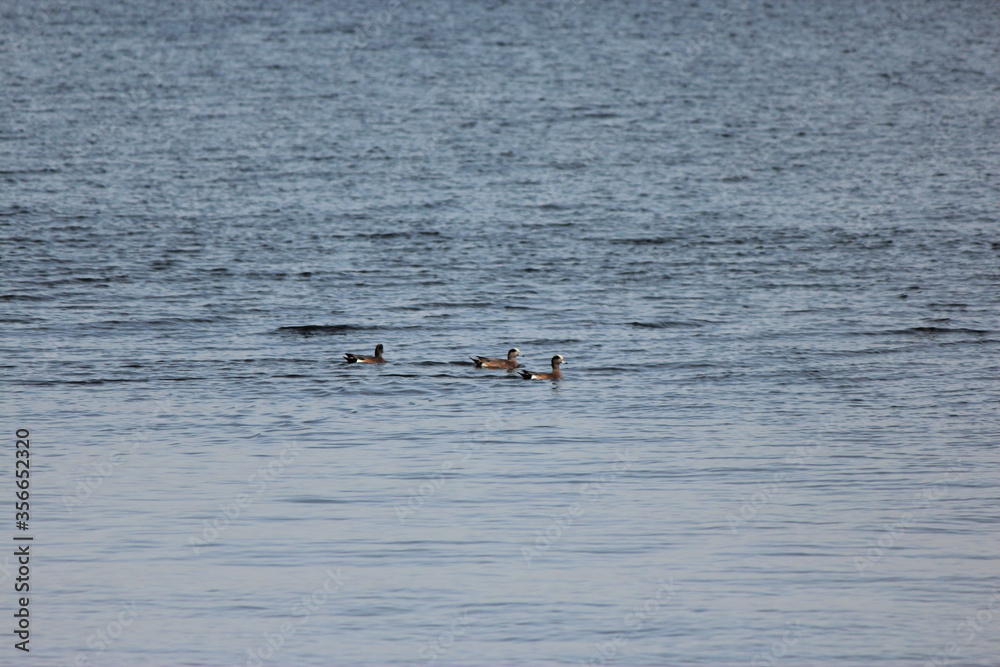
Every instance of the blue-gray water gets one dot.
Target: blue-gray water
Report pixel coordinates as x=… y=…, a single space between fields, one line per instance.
x=764 y=235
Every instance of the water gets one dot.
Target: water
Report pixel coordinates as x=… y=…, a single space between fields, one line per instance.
x=764 y=237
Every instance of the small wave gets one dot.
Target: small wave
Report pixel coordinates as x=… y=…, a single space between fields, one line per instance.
x=99 y=381
x=977 y=341
x=665 y=324
x=317 y=501
x=395 y=235
x=931 y=330
x=28 y=172
x=146 y=324
x=319 y=329
x=22 y=297
x=458 y=304
x=98 y=279
x=658 y=240
x=70 y=228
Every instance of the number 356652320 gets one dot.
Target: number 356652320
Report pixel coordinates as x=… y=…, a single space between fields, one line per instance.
x=22 y=464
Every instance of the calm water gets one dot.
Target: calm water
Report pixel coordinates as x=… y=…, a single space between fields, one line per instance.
x=764 y=236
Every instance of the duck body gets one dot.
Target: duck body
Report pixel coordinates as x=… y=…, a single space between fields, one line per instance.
x=364 y=358
x=556 y=374
x=493 y=362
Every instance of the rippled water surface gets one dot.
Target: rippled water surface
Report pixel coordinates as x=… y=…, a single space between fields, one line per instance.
x=763 y=235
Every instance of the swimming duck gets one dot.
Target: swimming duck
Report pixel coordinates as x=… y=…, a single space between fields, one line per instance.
x=556 y=374
x=493 y=362
x=365 y=359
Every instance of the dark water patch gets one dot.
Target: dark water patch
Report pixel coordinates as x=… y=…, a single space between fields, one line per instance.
x=101 y=279
x=459 y=304
x=264 y=275
x=312 y=500
x=72 y=228
x=25 y=297
x=870 y=350
x=307 y=330
x=28 y=172
x=932 y=330
x=14 y=209
x=415 y=309
x=656 y=240
x=667 y=324
x=98 y=381
x=151 y=324
x=381 y=236
x=59 y=282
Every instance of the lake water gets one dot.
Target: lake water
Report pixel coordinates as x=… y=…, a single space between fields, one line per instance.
x=765 y=237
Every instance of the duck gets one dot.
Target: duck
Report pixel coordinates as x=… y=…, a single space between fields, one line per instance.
x=493 y=362
x=556 y=374
x=365 y=359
